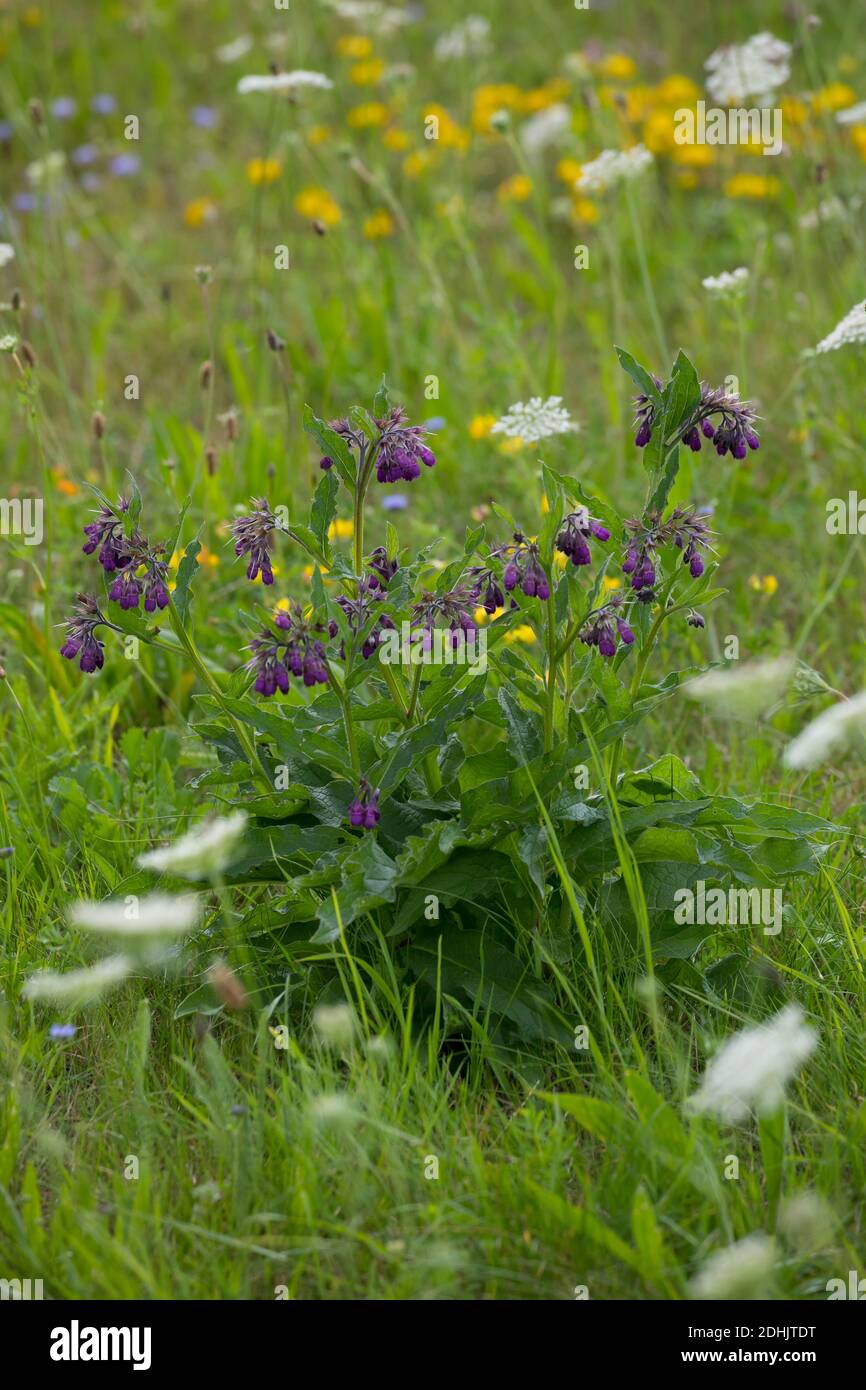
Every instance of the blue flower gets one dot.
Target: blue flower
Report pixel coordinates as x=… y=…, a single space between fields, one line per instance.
x=103 y=104
x=62 y=1030
x=64 y=108
x=204 y=116
x=124 y=164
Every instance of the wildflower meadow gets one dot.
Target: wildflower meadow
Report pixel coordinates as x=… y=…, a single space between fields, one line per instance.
x=432 y=679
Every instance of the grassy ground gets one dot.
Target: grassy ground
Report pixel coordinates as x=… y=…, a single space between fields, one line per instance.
x=391 y=1165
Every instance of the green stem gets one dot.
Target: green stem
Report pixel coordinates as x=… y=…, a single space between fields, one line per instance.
x=550 y=706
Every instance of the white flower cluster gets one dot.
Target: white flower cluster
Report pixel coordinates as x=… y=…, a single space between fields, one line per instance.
x=729 y=285
x=613 y=167
x=468 y=39
x=535 y=419
x=832 y=732
x=383 y=19
x=830 y=209
x=235 y=49
x=754 y=1067
x=7 y=253
x=545 y=128
x=206 y=849
x=852 y=115
x=284 y=81
x=852 y=329
x=752 y=69
x=739 y=1271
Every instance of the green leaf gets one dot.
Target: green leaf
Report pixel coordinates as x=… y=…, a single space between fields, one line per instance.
x=333 y=445
x=639 y=375
x=186 y=572
x=323 y=510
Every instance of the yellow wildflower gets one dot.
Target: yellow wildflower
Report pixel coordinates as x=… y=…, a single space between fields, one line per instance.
x=584 y=210
x=618 y=66
x=318 y=134
x=394 y=139
x=522 y=633
x=354 y=46
x=198 y=211
x=569 y=171
x=450 y=135
x=609 y=584
x=834 y=97
x=511 y=446
x=676 y=90
x=489 y=99
x=794 y=111
x=368 y=115
x=341 y=529
x=858 y=136
x=752 y=186
x=318 y=205
x=764 y=584
x=658 y=132
x=515 y=190
x=540 y=98
x=263 y=170
x=694 y=156
x=415 y=164
x=378 y=224
x=481 y=425
x=367 y=74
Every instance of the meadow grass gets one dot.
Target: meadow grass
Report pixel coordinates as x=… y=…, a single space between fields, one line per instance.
x=164 y=1154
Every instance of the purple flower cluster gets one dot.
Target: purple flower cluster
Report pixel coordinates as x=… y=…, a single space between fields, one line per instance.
x=451 y=610
x=733 y=433
x=573 y=539
x=364 y=808
x=684 y=528
x=485 y=588
x=123 y=556
x=275 y=657
x=605 y=629
x=523 y=568
x=80 y=640
x=397 y=452
x=253 y=536
x=359 y=611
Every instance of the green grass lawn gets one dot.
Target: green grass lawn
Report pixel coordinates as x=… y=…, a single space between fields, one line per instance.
x=329 y=1118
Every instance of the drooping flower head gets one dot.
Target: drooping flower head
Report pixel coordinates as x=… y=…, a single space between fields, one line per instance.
x=573 y=538
x=605 y=627
x=363 y=810
x=106 y=534
x=684 y=528
x=80 y=640
x=733 y=432
x=523 y=568
x=361 y=612
x=296 y=650
x=398 y=451
x=451 y=610
x=253 y=536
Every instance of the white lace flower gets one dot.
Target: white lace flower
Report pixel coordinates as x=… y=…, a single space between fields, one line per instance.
x=545 y=128
x=613 y=167
x=830 y=209
x=468 y=39
x=235 y=49
x=284 y=81
x=852 y=329
x=755 y=68
x=78 y=986
x=852 y=115
x=157 y=914
x=832 y=732
x=7 y=253
x=745 y=691
x=206 y=849
x=753 y=1068
x=535 y=420
x=729 y=285
x=381 y=18
x=742 y=1270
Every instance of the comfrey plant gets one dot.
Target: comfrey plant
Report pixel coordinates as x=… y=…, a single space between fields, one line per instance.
x=405 y=791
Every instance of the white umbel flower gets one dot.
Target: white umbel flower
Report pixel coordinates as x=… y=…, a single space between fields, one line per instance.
x=205 y=850
x=7 y=253
x=284 y=82
x=852 y=115
x=755 y=68
x=729 y=285
x=745 y=691
x=754 y=1067
x=742 y=1270
x=613 y=167
x=158 y=914
x=535 y=419
x=468 y=39
x=852 y=329
x=235 y=49
x=545 y=128
x=383 y=19
x=832 y=732
x=78 y=986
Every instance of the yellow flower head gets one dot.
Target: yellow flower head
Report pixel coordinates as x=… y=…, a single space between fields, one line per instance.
x=367 y=74
x=341 y=529
x=394 y=139
x=752 y=186
x=834 y=97
x=378 y=224
x=318 y=205
x=263 y=170
x=522 y=633
x=569 y=171
x=481 y=425
x=584 y=210
x=415 y=164
x=449 y=135
x=618 y=66
x=317 y=135
x=515 y=190
x=354 y=46
x=198 y=211
x=368 y=115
